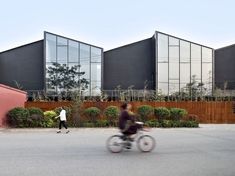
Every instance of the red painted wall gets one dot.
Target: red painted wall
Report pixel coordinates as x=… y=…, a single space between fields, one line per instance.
x=10 y=98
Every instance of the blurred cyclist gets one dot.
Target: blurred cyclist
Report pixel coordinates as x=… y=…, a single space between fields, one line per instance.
x=127 y=123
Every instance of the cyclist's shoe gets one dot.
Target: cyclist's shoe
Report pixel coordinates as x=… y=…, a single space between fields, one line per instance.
x=128 y=145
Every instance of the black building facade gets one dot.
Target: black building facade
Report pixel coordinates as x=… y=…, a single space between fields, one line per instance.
x=130 y=66
x=23 y=66
x=225 y=68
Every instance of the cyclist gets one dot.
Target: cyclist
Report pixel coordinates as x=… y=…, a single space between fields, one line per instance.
x=127 y=123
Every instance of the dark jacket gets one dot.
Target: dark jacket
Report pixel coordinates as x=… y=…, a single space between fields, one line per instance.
x=124 y=117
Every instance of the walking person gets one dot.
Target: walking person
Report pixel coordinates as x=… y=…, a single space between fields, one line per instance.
x=62 y=120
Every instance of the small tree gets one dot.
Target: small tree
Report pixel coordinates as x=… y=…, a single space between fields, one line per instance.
x=177 y=113
x=161 y=113
x=145 y=111
x=92 y=114
x=112 y=113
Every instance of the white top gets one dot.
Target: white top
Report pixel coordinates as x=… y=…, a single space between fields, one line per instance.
x=62 y=115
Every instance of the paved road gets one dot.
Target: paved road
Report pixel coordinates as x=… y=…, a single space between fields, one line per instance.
x=208 y=151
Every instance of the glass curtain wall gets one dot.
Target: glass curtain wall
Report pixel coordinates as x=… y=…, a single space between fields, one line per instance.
x=181 y=65
x=66 y=51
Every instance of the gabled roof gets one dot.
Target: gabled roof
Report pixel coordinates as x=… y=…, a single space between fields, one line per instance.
x=21 y=46
x=233 y=45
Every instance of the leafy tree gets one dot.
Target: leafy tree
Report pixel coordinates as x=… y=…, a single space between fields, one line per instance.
x=66 y=78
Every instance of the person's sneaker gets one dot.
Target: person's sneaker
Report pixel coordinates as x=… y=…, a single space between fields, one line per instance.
x=58 y=132
x=67 y=131
x=128 y=145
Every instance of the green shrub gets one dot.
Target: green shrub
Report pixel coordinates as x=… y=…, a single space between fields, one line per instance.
x=50 y=114
x=161 y=113
x=145 y=111
x=176 y=123
x=92 y=114
x=35 y=118
x=167 y=123
x=177 y=113
x=189 y=124
x=102 y=123
x=49 y=119
x=17 y=117
x=35 y=111
x=112 y=113
x=152 y=123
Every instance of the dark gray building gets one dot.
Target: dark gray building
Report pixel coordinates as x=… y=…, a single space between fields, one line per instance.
x=225 y=68
x=130 y=65
x=162 y=63
x=26 y=66
x=23 y=66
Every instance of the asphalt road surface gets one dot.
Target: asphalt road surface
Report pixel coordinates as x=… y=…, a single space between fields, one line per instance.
x=207 y=151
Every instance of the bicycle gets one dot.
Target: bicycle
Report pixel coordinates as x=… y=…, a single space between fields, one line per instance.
x=119 y=142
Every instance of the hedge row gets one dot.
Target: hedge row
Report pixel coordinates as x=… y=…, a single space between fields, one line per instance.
x=94 y=117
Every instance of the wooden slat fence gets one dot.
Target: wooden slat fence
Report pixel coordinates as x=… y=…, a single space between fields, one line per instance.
x=208 y=112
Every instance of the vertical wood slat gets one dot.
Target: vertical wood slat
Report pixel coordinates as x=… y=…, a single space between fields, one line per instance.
x=208 y=112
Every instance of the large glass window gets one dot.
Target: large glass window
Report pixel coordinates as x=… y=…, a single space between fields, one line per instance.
x=184 y=64
x=180 y=62
x=162 y=48
x=95 y=71
x=62 y=56
x=62 y=41
x=196 y=62
x=85 y=60
x=50 y=48
x=72 y=53
x=95 y=54
x=162 y=59
x=84 y=52
x=173 y=62
x=174 y=67
x=163 y=78
x=207 y=69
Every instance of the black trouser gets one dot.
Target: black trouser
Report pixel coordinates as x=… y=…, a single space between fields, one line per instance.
x=62 y=122
x=132 y=129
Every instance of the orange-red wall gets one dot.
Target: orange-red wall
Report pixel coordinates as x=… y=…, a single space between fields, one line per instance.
x=10 y=98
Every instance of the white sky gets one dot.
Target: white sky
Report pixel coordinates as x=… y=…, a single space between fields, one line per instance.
x=113 y=23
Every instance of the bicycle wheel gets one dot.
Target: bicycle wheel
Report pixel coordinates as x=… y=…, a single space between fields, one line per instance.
x=115 y=144
x=146 y=143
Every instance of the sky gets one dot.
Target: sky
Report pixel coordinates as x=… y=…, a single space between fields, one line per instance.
x=113 y=23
